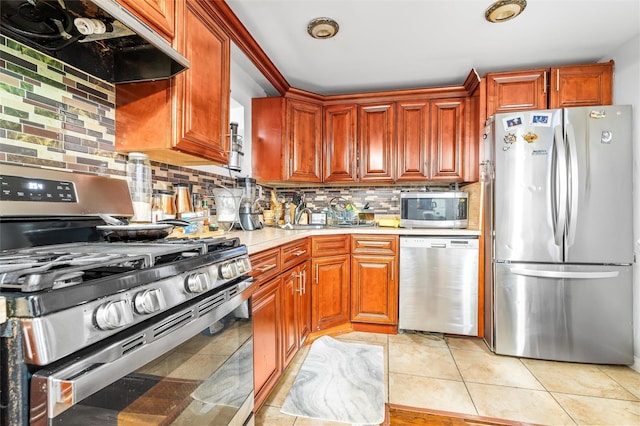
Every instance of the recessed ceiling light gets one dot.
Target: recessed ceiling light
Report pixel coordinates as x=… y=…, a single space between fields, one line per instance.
x=322 y=28
x=504 y=10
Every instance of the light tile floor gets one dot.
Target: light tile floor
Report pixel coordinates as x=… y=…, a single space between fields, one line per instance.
x=462 y=375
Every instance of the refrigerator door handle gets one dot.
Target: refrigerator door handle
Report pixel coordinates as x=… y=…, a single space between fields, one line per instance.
x=558 y=188
x=563 y=274
x=573 y=179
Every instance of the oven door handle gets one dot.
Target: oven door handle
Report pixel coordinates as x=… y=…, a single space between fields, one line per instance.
x=71 y=383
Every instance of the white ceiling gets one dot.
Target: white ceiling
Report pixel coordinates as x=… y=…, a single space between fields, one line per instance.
x=397 y=44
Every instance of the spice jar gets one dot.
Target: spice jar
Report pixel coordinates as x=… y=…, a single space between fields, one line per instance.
x=140 y=186
x=165 y=199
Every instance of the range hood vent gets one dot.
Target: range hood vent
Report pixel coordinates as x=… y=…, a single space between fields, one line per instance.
x=122 y=49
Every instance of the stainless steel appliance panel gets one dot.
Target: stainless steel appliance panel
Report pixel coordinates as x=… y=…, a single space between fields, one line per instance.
x=577 y=313
x=439 y=285
x=525 y=188
x=194 y=366
x=445 y=209
x=600 y=178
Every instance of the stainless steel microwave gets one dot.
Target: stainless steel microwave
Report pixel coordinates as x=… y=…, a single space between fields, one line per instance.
x=447 y=209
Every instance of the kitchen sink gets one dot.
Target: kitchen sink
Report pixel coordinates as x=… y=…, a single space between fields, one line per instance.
x=299 y=226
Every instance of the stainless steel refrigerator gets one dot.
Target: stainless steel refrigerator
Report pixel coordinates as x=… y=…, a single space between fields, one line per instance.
x=559 y=234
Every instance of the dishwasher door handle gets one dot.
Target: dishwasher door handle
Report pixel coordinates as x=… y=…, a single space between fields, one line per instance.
x=437 y=246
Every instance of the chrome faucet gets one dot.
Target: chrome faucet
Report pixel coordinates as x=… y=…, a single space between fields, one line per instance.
x=300 y=209
x=298 y=214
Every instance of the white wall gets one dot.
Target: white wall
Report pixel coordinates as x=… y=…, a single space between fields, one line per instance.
x=626 y=90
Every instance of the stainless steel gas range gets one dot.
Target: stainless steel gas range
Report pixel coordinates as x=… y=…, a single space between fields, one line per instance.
x=141 y=332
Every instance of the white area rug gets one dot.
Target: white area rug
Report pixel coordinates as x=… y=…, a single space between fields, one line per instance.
x=339 y=382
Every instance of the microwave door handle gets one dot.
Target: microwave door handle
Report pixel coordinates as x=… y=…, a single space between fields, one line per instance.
x=558 y=189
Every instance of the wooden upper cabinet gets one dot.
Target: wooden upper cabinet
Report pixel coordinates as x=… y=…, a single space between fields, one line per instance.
x=516 y=91
x=542 y=88
x=204 y=88
x=581 y=85
x=267 y=127
x=447 y=139
x=376 y=142
x=340 y=143
x=286 y=143
x=158 y=14
x=303 y=157
x=183 y=120
x=412 y=140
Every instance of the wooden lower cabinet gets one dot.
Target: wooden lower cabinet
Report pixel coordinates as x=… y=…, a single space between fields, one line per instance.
x=303 y=317
x=296 y=311
x=374 y=279
x=330 y=291
x=267 y=361
x=374 y=289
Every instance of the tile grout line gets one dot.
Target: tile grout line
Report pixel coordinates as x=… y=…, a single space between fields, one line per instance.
x=475 y=407
x=549 y=392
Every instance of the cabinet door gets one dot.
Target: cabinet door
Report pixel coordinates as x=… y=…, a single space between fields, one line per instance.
x=203 y=89
x=330 y=291
x=374 y=289
x=339 y=143
x=581 y=85
x=304 y=146
x=447 y=137
x=304 y=301
x=158 y=14
x=516 y=91
x=266 y=339
x=376 y=131
x=290 y=283
x=267 y=138
x=412 y=143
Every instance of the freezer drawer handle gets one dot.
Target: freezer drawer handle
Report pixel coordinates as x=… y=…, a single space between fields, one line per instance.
x=564 y=274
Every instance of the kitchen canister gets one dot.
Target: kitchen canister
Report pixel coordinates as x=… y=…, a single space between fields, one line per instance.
x=140 y=186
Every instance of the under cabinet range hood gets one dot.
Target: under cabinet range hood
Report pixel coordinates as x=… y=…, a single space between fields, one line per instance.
x=99 y=37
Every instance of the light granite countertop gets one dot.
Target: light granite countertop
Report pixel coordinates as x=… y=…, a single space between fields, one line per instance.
x=266 y=238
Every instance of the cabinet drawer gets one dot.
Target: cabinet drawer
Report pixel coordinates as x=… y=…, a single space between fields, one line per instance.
x=330 y=245
x=295 y=253
x=267 y=289
x=265 y=265
x=378 y=244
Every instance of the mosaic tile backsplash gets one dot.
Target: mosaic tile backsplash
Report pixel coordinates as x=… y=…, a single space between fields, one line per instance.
x=53 y=115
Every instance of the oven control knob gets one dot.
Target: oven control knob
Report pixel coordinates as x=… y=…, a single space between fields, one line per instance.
x=228 y=270
x=198 y=283
x=149 y=301
x=244 y=266
x=114 y=314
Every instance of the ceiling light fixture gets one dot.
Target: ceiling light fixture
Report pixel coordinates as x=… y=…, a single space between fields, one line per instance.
x=322 y=28
x=504 y=10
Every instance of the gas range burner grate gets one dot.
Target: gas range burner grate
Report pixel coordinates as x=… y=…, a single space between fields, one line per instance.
x=62 y=265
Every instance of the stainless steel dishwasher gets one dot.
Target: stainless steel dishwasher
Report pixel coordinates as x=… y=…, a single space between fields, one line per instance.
x=439 y=284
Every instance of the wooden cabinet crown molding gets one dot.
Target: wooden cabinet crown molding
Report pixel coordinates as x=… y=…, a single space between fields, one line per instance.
x=245 y=42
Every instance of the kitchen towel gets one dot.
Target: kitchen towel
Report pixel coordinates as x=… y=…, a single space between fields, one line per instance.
x=339 y=382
